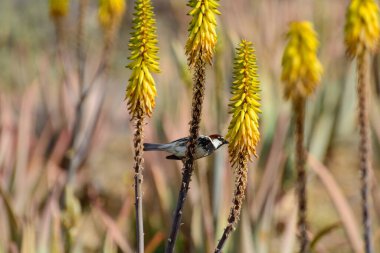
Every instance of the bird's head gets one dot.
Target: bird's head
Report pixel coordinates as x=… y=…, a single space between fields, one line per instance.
x=217 y=140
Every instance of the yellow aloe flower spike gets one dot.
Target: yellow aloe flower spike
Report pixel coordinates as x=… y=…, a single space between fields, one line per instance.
x=202 y=30
x=301 y=69
x=362 y=29
x=110 y=12
x=59 y=8
x=243 y=131
x=141 y=90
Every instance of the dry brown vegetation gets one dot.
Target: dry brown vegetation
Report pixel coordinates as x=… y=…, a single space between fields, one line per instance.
x=39 y=90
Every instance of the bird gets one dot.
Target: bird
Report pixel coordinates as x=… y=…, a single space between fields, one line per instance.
x=206 y=145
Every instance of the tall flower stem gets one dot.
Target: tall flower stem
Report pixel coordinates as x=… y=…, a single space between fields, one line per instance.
x=141 y=92
x=299 y=112
x=364 y=146
x=196 y=112
x=362 y=35
x=80 y=38
x=81 y=99
x=138 y=178
x=200 y=47
x=240 y=188
x=301 y=74
x=58 y=11
x=59 y=31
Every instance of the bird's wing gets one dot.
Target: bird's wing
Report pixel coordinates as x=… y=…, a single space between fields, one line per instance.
x=173 y=157
x=204 y=140
x=185 y=140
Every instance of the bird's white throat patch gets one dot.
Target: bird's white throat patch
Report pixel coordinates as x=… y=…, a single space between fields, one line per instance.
x=216 y=143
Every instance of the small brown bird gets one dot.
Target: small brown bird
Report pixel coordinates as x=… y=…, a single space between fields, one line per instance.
x=206 y=145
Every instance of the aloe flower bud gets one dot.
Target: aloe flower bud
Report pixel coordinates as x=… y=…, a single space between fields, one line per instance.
x=110 y=12
x=59 y=8
x=362 y=27
x=301 y=69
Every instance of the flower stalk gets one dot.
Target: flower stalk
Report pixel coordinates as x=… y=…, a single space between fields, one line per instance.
x=243 y=131
x=80 y=39
x=79 y=105
x=138 y=179
x=196 y=112
x=299 y=115
x=200 y=47
x=58 y=10
x=140 y=94
x=362 y=33
x=110 y=14
x=364 y=146
x=301 y=74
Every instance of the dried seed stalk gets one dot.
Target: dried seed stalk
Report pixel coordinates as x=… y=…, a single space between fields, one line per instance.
x=196 y=112
x=138 y=179
x=364 y=146
x=299 y=112
x=241 y=178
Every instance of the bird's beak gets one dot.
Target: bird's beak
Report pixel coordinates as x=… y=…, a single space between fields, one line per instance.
x=225 y=142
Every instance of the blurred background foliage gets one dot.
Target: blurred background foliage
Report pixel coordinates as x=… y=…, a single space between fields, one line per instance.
x=36 y=110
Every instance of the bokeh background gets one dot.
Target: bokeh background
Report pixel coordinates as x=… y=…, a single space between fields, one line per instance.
x=39 y=92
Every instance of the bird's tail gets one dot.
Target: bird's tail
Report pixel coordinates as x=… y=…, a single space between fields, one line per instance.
x=152 y=146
